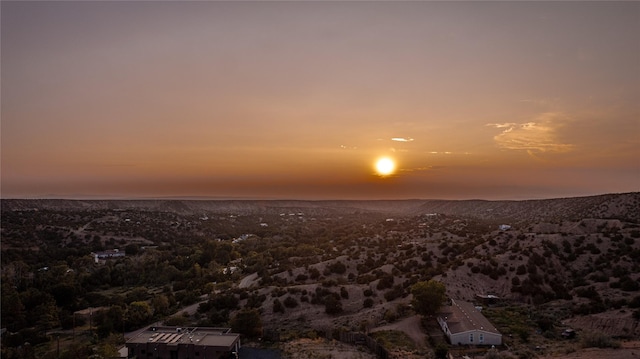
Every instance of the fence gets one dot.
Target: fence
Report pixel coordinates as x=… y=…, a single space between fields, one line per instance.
x=363 y=339
x=353 y=338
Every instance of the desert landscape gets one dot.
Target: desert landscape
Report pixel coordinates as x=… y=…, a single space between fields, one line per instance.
x=313 y=274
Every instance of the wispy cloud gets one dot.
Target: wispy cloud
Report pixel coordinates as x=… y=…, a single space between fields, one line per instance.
x=345 y=147
x=417 y=169
x=537 y=136
x=402 y=139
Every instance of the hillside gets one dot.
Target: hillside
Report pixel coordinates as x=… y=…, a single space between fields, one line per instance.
x=315 y=269
x=621 y=206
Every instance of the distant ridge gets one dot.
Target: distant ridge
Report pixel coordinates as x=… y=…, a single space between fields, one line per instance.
x=624 y=206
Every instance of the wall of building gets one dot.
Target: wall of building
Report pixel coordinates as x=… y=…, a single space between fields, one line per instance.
x=464 y=338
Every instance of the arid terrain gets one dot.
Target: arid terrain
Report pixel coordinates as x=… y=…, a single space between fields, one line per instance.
x=312 y=272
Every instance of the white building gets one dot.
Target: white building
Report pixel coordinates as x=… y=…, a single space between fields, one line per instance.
x=464 y=324
x=108 y=254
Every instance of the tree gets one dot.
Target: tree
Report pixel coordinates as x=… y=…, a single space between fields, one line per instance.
x=441 y=351
x=428 y=297
x=247 y=322
x=160 y=304
x=12 y=308
x=332 y=304
x=277 y=306
x=138 y=314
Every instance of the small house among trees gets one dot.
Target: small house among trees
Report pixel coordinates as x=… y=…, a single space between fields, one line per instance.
x=465 y=325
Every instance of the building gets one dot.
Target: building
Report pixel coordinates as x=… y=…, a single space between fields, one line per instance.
x=183 y=343
x=464 y=324
x=108 y=254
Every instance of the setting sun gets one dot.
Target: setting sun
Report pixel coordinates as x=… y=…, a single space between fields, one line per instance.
x=385 y=166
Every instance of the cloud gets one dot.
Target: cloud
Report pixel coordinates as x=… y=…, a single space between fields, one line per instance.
x=502 y=125
x=402 y=139
x=534 y=137
x=345 y=147
x=417 y=169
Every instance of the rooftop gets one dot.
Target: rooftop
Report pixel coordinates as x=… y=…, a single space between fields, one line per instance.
x=463 y=316
x=173 y=336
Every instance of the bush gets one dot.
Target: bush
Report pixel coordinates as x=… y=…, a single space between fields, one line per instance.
x=635 y=302
x=290 y=302
x=368 y=303
x=277 y=306
x=385 y=282
x=247 y=322
x=523 y=333
x=598 y=340
x=344 y=293
x=337 y=267
x=332 y=304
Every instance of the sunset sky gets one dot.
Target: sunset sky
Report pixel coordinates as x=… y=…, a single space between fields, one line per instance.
x=297 y=100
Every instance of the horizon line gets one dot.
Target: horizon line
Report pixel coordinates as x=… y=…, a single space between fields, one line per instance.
x=257 y=198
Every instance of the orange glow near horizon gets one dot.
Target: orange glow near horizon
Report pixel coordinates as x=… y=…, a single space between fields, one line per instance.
x=298 y=99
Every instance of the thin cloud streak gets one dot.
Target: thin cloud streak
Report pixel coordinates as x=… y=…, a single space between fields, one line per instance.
x=402 y=139
x=538 y=136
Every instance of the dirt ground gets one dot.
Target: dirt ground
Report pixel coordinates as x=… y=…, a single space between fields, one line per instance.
x=629 y=350
x=410 y=326
x=323 y=349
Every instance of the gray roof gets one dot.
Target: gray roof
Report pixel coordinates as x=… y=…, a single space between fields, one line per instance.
x=173 y=336
x=463 y=317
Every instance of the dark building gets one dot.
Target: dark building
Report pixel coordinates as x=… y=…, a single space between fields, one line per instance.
x=184 y=343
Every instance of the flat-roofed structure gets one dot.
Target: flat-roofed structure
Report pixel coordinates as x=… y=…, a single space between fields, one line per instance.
x=108 y=254
x=464 y=324
x=183 y=343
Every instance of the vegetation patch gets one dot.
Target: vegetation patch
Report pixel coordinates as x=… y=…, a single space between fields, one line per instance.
x=394 y=340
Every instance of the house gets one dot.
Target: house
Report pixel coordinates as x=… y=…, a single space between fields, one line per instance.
x=108 y=254
x=182 y=343
x=464 y=324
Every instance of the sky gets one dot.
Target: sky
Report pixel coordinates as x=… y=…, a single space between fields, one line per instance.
x=297 y=100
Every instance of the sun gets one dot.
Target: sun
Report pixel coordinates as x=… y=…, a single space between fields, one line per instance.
x=385 y=166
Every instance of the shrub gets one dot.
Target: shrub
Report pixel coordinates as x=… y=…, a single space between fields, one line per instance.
x=332 y=304
x=337 y=267
x=635 y=302
x=290 y=302
x=598 y=340
x=277 y=306
x=368 y=303
x=385 y=282
x=344 y=293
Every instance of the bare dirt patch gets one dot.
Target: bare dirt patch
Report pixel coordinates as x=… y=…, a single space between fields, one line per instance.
x=629 y=350
x=323 y=349
x=410 y=326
